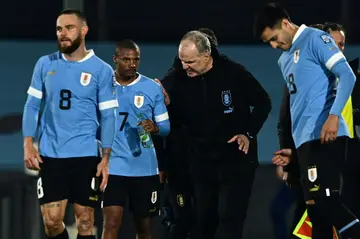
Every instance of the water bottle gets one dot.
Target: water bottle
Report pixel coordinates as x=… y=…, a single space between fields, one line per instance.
x=133 y=140
x=145 y=138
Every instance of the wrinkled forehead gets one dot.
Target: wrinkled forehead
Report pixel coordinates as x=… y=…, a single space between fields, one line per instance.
x=188 y=51
x=128 y=53
x=67 y=19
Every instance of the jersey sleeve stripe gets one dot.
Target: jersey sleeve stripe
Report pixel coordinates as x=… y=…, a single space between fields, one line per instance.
x=34 y=92
x=162 y=117
x=334 y=59
x=108 y=104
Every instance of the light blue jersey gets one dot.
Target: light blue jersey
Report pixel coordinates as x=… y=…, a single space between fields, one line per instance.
x=310 y=68
x=142 y=99
x=77 y=96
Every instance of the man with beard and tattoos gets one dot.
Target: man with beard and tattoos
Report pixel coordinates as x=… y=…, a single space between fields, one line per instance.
x=78 y=94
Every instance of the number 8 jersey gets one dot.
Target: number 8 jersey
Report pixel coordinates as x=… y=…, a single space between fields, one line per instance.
x=74 y=94
x=307 y=68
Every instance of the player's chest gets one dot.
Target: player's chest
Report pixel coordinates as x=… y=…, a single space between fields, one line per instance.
x=78 y=81
x=134 y=100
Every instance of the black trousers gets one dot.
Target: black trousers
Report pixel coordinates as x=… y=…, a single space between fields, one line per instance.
x=180 y=194
x=351 y=177
x=222 y=195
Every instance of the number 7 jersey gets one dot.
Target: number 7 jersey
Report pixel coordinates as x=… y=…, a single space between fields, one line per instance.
x=73 y=95
x=306 y=68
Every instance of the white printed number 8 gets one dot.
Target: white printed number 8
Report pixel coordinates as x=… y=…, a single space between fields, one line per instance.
x=40 y=190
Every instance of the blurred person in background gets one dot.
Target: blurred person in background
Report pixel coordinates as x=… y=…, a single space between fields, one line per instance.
x=318 y=128
x=210 y=99
x=134 y=171
x=77 y=90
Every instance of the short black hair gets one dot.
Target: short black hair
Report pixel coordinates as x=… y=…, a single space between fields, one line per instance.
x=210 y=34
x=318 y=26
x=269 y=16
x=332 y=26
x=126 y=44
x=73 y=11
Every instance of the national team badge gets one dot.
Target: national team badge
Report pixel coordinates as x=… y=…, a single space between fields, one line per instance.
x=180 y=200
x=154 y=197
x=312 y=174
x=296 y=56
x=139 y=101
x=85 y=78
x=226 y=97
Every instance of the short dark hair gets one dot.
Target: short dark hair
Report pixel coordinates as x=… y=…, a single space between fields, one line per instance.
x=332 y=26
x=126 y=44
x=73 y=11
x=318 y=26
x=269 y=16
x=210 y=34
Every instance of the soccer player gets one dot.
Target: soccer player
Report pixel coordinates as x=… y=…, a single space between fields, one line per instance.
x=133 y=165
x=311 y=63
x=75 y=86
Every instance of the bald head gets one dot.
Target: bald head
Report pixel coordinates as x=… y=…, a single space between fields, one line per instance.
x=195 y=53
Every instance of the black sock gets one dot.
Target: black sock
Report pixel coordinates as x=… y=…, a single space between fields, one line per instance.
x=85 y=237
x=63 y=235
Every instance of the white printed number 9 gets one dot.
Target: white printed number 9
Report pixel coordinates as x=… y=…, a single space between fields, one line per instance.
x=40 y=190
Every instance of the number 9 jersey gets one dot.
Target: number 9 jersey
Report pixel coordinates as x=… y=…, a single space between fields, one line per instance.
x=73 y=95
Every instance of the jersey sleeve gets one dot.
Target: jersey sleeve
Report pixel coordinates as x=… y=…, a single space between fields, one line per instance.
x=106 y=91
x=33 y=102
x=325 y=51
x=161 y=115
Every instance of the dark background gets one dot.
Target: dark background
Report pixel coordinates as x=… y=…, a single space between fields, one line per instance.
x=163 y=21
x=27 y=26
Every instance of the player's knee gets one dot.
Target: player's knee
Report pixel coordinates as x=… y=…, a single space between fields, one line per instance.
x=112 y=218
x=85 y=224
x=143 y=226
x=53 y=225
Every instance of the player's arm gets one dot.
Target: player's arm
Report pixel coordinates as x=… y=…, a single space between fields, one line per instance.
x=258 y=98
x=284 y=122
x=31 y=115
x=107 y=103
x=161 y=115
x=329 y=55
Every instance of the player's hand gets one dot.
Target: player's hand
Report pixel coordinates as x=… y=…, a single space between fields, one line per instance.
x=282 y=157
x=242 y=141
x=32 y=157
x=166 y=95
x=162 y=176
x=281 y=173
x=149 y=126
x=330 y=129
x=103 y=170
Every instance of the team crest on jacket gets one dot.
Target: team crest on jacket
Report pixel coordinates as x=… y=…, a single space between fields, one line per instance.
x=296 y=56
x=154 y=197
x=226 y=97
x=85 y=78
x=139 y=101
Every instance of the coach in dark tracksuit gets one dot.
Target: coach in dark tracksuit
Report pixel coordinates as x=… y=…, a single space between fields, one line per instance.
x=211 y=99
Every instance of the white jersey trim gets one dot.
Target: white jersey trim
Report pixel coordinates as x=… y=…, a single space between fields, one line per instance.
x=108 y=105
x=34 y=92
x=334 y=59
x=162 y=117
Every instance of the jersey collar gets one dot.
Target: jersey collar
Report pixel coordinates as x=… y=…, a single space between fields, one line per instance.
x=134 y=82
x=298 y=33
x=87 y=57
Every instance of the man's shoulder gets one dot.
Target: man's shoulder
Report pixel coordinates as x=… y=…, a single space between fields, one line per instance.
x=150 y=84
